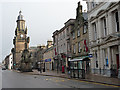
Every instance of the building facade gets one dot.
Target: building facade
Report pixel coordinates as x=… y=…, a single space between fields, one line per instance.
x=20 y=41
x=104 y=37
x=40 y=51
x=10 y=64
x=33 y=52
x=48 y=56
x=80 y=43
x=61 y=42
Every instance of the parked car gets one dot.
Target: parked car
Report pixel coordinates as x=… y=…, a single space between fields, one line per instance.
x=3 y=68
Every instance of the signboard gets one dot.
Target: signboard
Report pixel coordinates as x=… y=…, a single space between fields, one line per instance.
x=90 y=55
x=48 y=60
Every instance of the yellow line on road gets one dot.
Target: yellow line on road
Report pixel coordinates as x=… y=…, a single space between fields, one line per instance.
x=99 y=83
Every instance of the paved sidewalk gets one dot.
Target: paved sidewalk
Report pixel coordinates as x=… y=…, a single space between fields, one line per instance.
x=89 y=77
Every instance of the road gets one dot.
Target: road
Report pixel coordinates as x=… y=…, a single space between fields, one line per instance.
x=12 y=79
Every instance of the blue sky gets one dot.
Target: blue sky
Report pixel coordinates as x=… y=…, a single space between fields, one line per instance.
x=42 y=17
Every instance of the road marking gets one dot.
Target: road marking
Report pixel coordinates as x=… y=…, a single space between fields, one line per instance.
x=99 y=83
x=46 y=79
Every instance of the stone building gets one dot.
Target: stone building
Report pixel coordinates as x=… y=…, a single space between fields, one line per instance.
x=10 y=62
x=48 y=56
x=20 y=40
x=104 y=37
x=61 y=45
x=6 y=61
x=40 y=51
x=79 y=42
x=33 y=52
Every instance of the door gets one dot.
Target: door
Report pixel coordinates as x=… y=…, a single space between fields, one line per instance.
x=117 y=61
x=87 y=67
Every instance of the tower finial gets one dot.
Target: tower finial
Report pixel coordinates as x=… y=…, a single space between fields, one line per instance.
x=20 y=12
x=79 y=3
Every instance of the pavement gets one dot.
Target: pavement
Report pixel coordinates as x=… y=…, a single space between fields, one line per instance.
x=89 y=77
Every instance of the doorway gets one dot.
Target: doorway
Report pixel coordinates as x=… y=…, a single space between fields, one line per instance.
x=117 y=61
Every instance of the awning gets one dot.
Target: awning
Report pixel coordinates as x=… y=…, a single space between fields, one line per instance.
x=84 y=58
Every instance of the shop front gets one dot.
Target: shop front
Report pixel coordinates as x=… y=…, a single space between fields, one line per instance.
x=48 y=64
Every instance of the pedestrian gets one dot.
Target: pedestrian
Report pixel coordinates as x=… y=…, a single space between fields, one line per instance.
x=39 y=69
x=68 y=69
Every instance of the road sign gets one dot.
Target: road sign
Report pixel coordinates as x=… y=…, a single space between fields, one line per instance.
x=90 y=55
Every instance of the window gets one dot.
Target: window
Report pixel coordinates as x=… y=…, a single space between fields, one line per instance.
x=96 y=61
x=104 y=26
x=63 y=34
x=78 y=32
x=74 y=49
x=95 y=31
x=73 y=34
x=79 y=47
x=84 y=29
x=54 y=39
x=67 y=33
x=117 y=21
x=106 y=57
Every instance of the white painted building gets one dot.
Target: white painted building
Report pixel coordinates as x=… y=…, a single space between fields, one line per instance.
x=10 y=62
x=104 y=37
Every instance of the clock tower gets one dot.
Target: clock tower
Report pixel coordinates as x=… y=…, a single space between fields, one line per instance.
x=20 y=41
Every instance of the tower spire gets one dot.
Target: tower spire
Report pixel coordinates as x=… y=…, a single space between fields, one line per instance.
x=20 y=12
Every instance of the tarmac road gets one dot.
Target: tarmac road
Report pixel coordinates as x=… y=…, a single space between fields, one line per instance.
x=11 y=79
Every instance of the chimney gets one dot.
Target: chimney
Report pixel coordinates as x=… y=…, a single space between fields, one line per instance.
x=49 y=43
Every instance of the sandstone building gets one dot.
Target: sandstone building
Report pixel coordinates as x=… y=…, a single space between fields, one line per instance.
x=20 y=41
x=104 y=37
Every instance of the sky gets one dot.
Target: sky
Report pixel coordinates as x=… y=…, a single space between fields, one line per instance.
x=42 y=18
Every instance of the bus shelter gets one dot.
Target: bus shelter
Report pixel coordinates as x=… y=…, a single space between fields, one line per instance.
x=79 y=67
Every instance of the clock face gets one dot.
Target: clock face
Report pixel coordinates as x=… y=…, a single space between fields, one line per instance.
x=21 y=35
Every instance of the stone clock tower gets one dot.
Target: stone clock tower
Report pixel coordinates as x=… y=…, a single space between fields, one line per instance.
x=20 y=41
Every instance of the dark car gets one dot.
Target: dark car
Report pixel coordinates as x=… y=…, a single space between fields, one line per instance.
x=3 y=68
